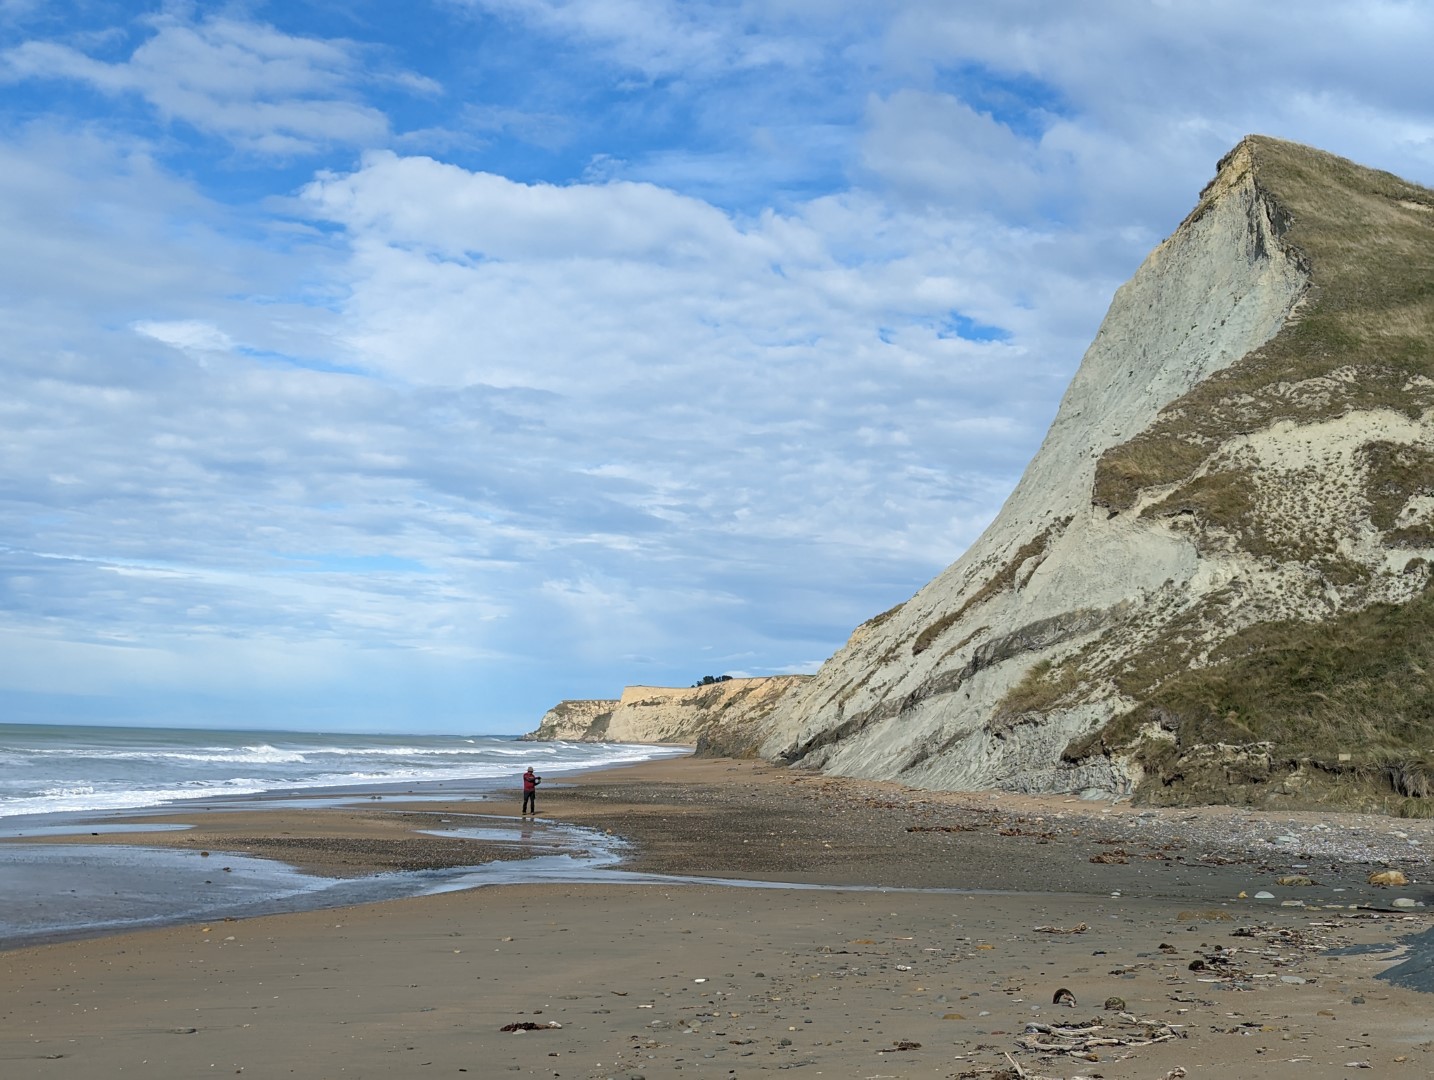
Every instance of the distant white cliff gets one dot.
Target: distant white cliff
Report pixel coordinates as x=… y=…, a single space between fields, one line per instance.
x=727 y=717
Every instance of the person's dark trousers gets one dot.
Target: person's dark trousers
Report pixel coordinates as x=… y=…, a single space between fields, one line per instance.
x=530 y=801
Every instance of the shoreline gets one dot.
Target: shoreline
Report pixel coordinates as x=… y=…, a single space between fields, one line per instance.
x=723 y=819
x=660 y=978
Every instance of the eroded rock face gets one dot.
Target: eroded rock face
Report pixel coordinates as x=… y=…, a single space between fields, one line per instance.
x=725 y=718
x=1240 y=448
x=575 y=720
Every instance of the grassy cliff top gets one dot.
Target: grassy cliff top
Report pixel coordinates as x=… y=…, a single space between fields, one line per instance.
x=1366 y=238
x=1346 y=695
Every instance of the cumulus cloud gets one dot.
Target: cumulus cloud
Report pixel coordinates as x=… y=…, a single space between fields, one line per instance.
x=266 y=91
x=658 y=38
x=703 y=370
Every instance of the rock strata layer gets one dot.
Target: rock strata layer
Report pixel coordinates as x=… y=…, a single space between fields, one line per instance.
x=726 y=718
x=1213 y=581
x=1239 y=479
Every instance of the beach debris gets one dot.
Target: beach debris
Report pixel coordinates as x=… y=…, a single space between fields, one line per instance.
x=1063 y=997
x=1388 y=878
x=1110 y=857
x=1016 y=1072
x=1016 y=830
x=1083 y=1038
x=521 y=1026
x=1204 y=915
x=1115 y=1004
x=1294 y=879
x=1079 y=928
x=899 y=1046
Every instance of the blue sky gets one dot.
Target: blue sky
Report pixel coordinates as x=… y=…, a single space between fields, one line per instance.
x=411 y=367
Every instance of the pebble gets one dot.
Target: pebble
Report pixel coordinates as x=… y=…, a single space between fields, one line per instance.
x=1388 y=877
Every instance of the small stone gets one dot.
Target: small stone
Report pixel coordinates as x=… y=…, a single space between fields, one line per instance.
x=1388 y=878
x=1290 y=880
x=1115 y=1004
x=1293 y=980
x=1263 y=895
x=1404 y=902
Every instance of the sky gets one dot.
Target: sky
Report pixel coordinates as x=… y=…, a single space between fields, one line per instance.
x=412 y=367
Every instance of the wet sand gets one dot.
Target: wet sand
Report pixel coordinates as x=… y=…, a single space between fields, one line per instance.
x=661 y=980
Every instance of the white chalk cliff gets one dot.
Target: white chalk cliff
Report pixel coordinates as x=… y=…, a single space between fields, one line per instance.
x=723 y=717
x=1244 y=446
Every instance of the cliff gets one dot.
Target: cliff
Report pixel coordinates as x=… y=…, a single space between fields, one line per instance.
x=1212 y=581
x=725 y=718
x=575 y=721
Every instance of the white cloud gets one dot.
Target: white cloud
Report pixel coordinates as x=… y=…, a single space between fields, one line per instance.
x=658 y=38
x=456 y=214
x=266 y=91
x=450 y=427
x=188 y=335
x=936 y=148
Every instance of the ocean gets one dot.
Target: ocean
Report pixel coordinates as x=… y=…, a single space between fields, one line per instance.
x=68 y=782
x=62 y=769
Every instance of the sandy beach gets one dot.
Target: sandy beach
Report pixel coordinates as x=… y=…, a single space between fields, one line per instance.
x=962 y=917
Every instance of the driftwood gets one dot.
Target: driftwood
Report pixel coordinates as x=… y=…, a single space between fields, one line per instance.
x=1079 y=928
x=1095 y=1034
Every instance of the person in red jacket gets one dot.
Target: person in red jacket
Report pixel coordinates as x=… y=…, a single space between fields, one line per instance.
x=530 y=792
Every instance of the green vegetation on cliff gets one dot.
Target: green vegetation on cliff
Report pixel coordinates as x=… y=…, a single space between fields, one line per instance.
x=1347 y=694
x=1362 y=341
